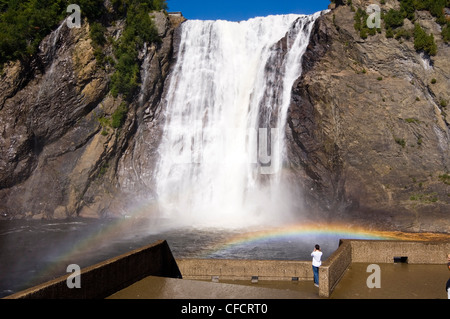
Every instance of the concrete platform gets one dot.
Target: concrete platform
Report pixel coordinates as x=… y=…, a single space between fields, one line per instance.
x=398 y=281
x=168 y=288
x=151 y=273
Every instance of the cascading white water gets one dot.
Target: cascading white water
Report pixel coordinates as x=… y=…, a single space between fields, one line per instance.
x=228 y=98
x=50 y=45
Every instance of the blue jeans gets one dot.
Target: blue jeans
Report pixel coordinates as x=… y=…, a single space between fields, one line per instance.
x=316 y=274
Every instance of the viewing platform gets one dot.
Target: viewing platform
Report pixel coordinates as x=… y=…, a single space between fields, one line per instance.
x=409 y=269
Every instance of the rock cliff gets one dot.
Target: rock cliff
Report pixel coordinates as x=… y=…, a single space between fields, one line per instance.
x=368 y=128
x=58 y=159
x=369 y=125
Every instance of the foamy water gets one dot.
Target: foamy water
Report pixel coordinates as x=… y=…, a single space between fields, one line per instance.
x=225 y=109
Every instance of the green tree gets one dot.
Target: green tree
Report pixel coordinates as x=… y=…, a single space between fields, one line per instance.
x=393 y=19
x=23 y=25
x=91 y=9
x=423 y=41
x=97 y=33
x=408 y=9
x=389 y=33
x=436 y=8
x=139 y=29
x=361 y=24
x=446 y=32
x=119 y=116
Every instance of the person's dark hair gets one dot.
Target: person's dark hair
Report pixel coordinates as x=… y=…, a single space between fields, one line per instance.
x=317 y=247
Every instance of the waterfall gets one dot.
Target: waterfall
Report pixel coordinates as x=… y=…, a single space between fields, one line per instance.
x=144 y=73
x=50 y=48
x=221 y=153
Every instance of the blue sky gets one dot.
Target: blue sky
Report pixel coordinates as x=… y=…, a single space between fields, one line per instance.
x=237 y=10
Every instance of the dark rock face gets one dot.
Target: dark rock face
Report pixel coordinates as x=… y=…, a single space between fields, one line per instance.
x=56 y=161
x=369 y=138
x=46 y=120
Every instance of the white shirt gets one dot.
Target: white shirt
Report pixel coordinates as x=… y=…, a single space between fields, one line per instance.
x=316 y=261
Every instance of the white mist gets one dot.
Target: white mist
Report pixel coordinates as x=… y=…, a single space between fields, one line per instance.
x=231 y=80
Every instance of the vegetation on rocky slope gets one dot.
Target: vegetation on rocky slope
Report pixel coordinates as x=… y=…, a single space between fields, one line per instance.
x=393 y=22
x=66 y=124
x=24 y=24
x=139 y=29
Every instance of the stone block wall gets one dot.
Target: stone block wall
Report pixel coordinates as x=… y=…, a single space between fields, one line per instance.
x=225 y=269
x=110 y=276
x=377 y=251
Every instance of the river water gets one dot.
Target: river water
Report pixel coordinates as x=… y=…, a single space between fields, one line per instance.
x=32 y=252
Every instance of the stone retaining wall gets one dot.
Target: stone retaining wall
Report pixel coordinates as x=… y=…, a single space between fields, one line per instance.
x=106 y=278
x=110 y=276
x=226 y=269
x=384 y=251
x=377 y=251
x=332 y=269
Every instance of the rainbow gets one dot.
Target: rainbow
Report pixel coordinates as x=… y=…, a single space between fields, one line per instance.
x=302 y=232
x=72 y=251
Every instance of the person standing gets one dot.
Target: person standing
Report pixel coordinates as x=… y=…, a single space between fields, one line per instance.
x=447 y=286
x=316 y=263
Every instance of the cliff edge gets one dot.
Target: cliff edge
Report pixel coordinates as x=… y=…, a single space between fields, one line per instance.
x=369 y=124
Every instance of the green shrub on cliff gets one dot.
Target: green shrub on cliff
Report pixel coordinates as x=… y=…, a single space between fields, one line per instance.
x=423 y=41
x=125 y=80
x=139 y=29
x=116 y=120
x=425 y=198
x=393 y=19
x=408 y=8
x=119 y=116
x=436 y=8
x=24 y=24
x=402 y=33
x=446 y=32
x=122 y=6
x=445 y=178
x=97 y=33
x=400 y=141
x=91 y=9
x=361 y=24
x=389 y=33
